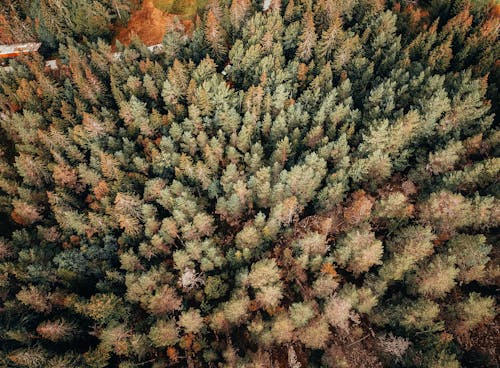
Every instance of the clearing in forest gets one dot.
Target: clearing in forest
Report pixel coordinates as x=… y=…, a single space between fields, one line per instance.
x=150 y=22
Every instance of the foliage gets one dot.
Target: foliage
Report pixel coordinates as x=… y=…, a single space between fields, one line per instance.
x=311 y=183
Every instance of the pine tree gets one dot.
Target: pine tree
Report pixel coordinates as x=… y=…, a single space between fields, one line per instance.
x=215 y=35
x=359 y=250
x=307 y=38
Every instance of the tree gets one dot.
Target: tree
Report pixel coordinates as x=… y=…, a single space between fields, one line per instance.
x=473 y=311
x=438 y=278
x=307 y=38
x=359 y=250
x=215 y=35
x=471 y=255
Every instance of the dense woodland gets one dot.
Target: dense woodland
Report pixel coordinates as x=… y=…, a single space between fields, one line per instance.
x=290 y=184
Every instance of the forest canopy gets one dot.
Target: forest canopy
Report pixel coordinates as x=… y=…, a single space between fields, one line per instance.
x=291 y=183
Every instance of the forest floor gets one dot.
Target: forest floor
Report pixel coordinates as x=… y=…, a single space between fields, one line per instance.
x=151 y=21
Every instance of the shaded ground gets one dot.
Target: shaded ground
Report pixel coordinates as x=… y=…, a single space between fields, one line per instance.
x=150 y=22
x=482 y=347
